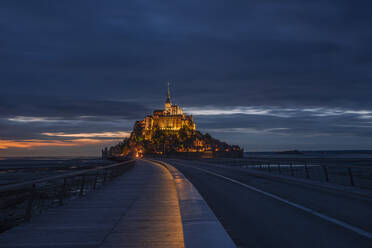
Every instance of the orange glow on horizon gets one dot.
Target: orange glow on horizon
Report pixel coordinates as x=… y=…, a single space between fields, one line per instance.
x=90 y=135
x=29 y=144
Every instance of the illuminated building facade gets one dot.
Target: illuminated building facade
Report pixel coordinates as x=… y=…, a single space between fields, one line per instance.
x=170 y=118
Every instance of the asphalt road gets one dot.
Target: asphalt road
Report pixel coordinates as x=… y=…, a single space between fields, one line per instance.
x=258 y=212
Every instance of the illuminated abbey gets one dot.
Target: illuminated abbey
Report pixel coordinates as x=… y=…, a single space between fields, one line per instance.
x=170 y=132
x=171 y=118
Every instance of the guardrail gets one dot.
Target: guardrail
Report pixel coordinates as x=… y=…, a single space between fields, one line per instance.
x=19 y=202
x=356 y=176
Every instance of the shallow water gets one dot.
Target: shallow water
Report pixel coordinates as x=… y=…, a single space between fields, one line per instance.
x=14 y=170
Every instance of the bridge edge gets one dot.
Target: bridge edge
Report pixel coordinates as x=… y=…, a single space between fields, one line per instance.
x=200 y=225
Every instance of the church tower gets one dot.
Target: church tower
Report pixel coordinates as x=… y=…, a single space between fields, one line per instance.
x=168 y=103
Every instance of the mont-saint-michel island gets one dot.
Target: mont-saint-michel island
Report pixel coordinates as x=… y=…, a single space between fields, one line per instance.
x=172 y=133
x=185 y=124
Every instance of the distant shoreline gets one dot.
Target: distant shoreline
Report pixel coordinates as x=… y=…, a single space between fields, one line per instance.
x=50 y=157
x=294 y=152
x=318 y=151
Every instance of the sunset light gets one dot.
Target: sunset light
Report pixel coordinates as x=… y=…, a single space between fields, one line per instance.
x=186 y=124
x=6 y=144
x=118 y=134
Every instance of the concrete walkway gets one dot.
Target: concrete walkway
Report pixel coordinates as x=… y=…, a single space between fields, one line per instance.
x=138 y=209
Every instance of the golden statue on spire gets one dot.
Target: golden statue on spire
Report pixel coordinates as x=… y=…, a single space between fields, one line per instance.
x=168 y=95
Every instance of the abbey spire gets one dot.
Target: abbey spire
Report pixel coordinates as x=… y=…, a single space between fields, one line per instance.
x=168 y=94
x=168 y=103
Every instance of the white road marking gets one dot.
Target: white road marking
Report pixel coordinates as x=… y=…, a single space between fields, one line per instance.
x=308 y=210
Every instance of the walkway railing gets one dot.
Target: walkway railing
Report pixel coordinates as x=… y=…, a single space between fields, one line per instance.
x=19 y=202
x=356 y=176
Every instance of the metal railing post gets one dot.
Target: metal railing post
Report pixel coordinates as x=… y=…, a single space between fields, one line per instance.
x=112 y=173
x=104 y=175
x=36 y=194
x=279 y=170
x=62 y=195
x=82 y=186
x=307 y=172
x=325 y=173
x=268 y=168
x=351 y=176
x=109 y=174
x=28 y=211
x=95 y=180
x=291 y=168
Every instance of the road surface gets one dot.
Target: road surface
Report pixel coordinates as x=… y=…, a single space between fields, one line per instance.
x=259 y=212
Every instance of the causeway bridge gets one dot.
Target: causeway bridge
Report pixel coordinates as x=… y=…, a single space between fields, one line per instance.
x=187 y=203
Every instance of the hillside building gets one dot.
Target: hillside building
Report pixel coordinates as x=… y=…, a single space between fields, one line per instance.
x=170 y=118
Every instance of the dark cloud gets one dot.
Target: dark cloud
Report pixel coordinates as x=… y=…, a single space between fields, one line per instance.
x=59 y=107
x=111 y=60
x=295 y=125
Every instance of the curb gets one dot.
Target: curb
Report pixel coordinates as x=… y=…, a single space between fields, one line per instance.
x=201 y=227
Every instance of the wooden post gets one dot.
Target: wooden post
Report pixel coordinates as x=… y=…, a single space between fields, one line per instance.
x=28 y=211
x=351 y=176
x=307 y=172
x=82 y=186
x=62 y=195
x=326 y=173
x=104 y=175
x=95 y=180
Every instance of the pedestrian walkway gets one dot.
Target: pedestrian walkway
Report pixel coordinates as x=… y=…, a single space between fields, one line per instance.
x=138 y=209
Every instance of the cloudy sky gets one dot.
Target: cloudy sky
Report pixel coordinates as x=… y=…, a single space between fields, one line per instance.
x=263 y=74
